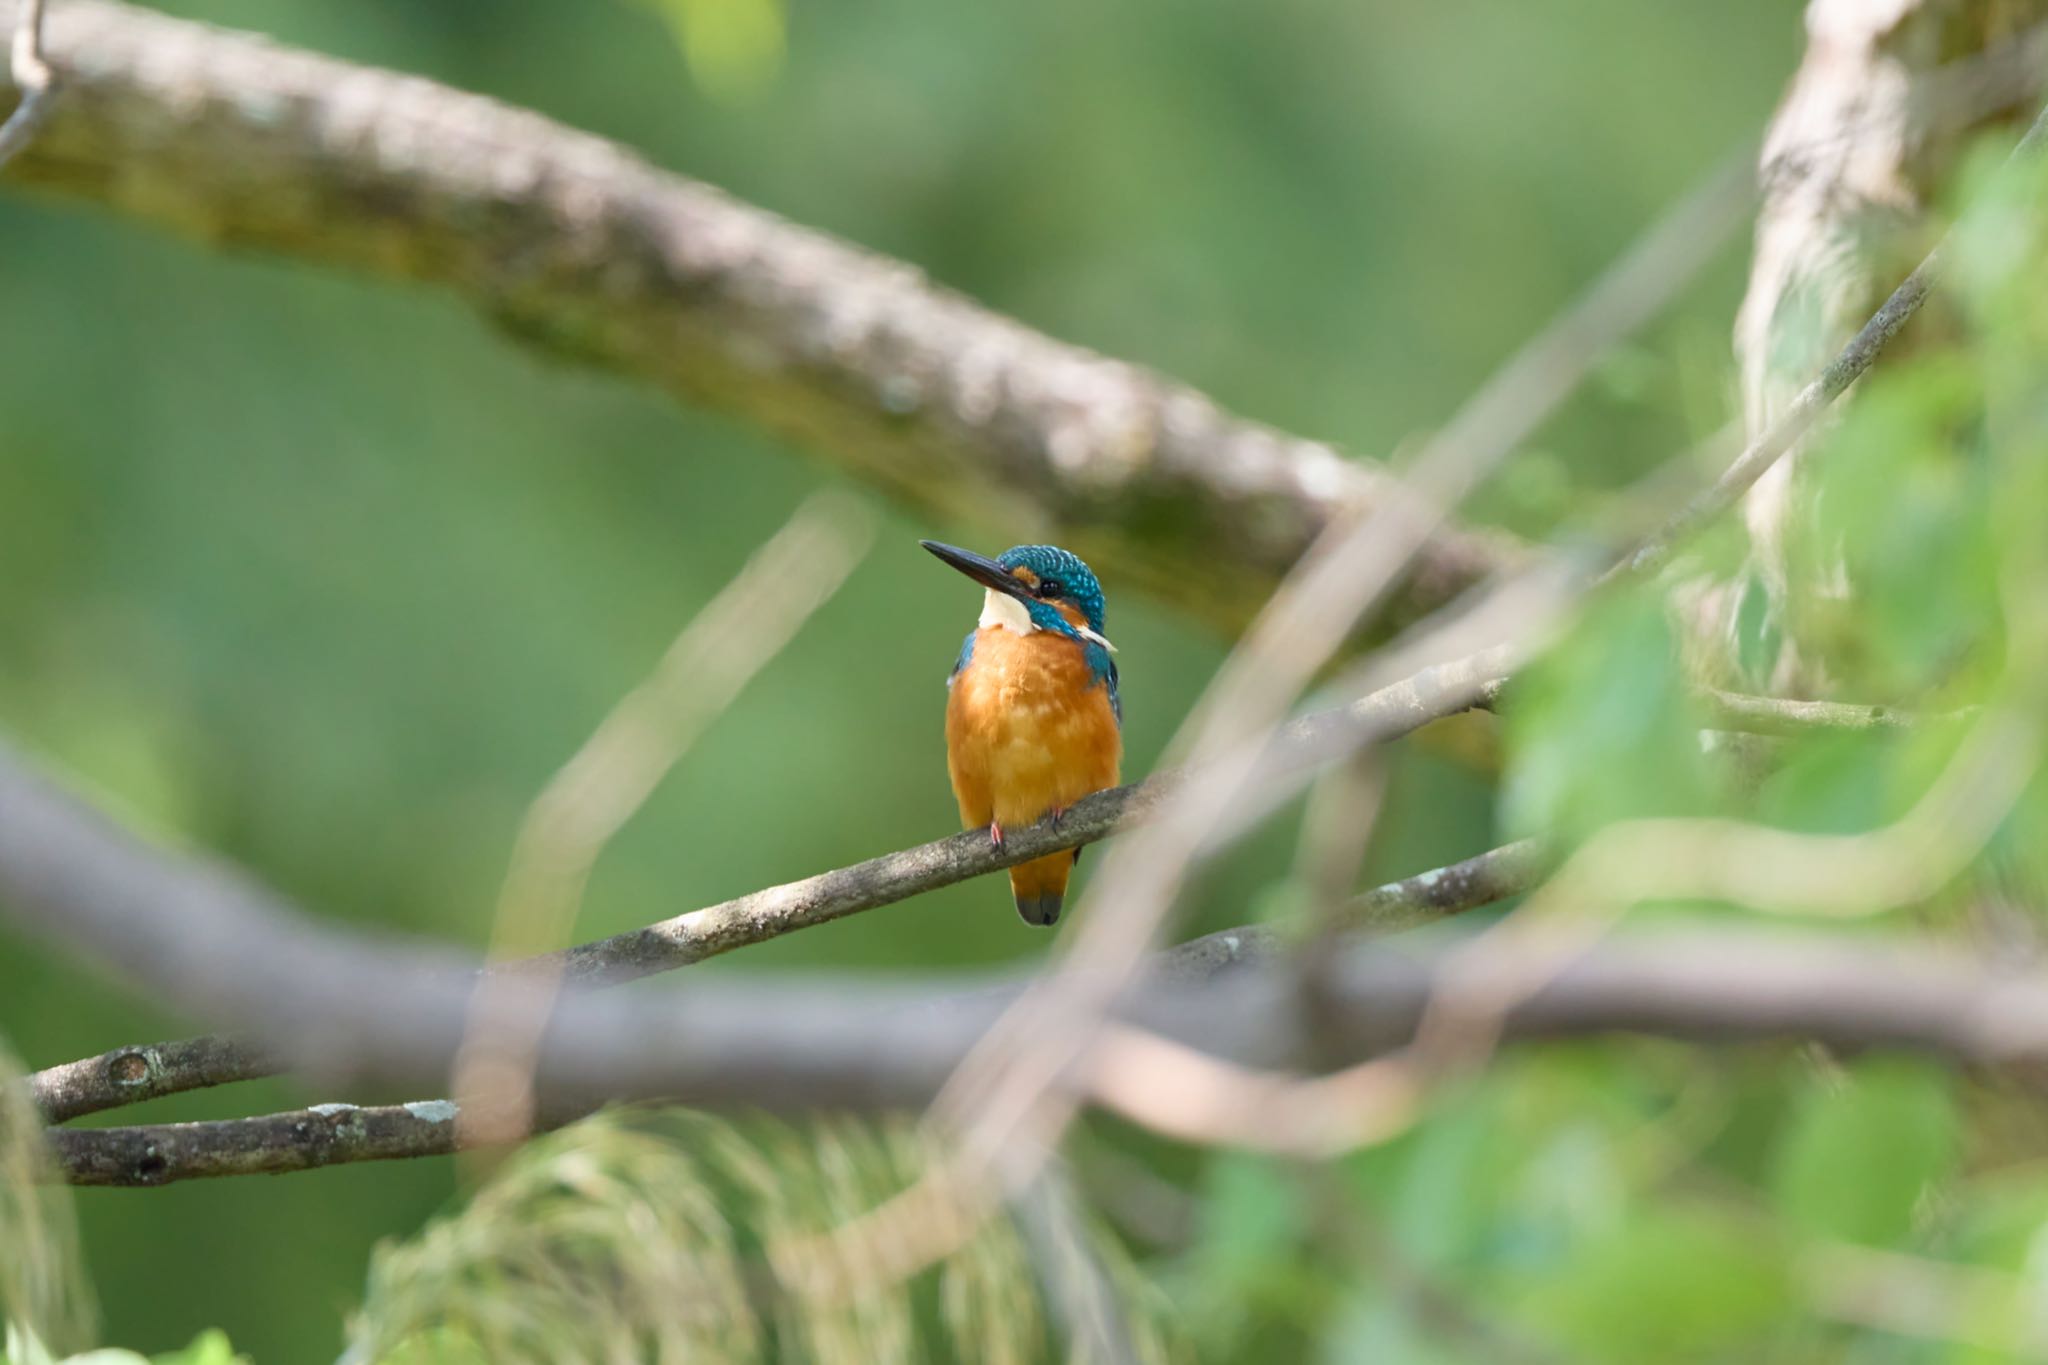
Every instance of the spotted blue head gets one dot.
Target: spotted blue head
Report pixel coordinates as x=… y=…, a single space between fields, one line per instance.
x=1038 y=587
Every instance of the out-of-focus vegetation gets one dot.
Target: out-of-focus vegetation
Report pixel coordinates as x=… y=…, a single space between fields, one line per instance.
x=329 y=578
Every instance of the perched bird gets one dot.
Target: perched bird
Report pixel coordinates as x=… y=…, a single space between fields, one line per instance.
x=1033 y=722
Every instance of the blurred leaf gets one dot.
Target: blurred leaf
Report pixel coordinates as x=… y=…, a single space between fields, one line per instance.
x=734 y=47
x=1758 y=638
x=1902 y=511
x=1249 y=1257
x=43 y=1296
x=1860 y=1155
x=652 y=1235
x=1376 y=1330
x=1670 y=1284
x=208 y=1348
x=1601 y=728
x=21 y=1347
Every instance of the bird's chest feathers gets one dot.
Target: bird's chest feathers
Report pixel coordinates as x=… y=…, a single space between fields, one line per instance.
x=1025 y=688
x=1030 y=725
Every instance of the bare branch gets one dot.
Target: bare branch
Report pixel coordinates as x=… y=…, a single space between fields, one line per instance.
x=823 y=1044
x=1785 y=718
x=577 y=245
x=33 y=81
x=271 y=1144
x=130 y=1075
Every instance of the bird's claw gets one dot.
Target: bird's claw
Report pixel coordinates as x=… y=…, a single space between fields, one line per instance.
x=1055 y=816
x=995 y=833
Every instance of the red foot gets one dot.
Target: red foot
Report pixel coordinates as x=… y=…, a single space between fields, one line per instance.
x=995 y=833
x=1055 y=815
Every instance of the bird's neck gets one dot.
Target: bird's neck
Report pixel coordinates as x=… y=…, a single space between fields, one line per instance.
x=1010 y=613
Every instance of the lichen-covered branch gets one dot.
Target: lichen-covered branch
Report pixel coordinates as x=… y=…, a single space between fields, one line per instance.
x=575 y=244
x=130 y=1075
x=268 y=1144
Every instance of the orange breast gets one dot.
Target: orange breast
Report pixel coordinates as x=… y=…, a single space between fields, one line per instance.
x=1027 y=728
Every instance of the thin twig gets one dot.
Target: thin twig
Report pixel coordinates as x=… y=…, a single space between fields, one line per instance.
x=611 y=776
x=34 y=81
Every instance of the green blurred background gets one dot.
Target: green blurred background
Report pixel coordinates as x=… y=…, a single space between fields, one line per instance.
x=329 y=577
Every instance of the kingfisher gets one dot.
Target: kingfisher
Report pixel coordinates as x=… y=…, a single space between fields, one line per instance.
x=1033 y=720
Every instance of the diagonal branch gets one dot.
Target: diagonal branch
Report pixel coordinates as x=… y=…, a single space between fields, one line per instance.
x=577 y=245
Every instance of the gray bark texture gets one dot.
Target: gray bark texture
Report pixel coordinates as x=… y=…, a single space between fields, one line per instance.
x=574 y=244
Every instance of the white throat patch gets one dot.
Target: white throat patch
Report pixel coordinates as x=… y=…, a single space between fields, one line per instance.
x=1001 y=609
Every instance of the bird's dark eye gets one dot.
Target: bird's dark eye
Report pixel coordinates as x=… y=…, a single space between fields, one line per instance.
x=1050 y=587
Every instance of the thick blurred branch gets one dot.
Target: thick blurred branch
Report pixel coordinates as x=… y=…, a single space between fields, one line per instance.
x=577 y=245
x=826 y=1044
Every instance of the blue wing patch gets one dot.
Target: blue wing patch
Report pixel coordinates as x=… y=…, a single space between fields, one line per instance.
x=1102 y=669
x=966 y=653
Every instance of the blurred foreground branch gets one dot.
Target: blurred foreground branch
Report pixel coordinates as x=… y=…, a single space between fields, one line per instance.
x=831 y=1044
x=32 y=78
x=577 y=245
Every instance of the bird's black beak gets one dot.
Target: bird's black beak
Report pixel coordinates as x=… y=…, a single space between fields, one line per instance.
x=980 y=568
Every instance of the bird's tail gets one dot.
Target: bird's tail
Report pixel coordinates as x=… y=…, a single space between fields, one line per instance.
x=1040 y=887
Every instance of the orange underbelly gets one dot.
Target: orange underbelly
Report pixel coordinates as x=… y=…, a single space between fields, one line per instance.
x=1027 y=729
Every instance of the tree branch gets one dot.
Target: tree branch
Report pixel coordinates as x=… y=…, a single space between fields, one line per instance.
x=830 y=1045
x=32 y=78
x=576 y=245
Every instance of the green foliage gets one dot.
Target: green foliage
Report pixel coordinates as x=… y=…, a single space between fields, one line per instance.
x=666 y=1236
x=1603 y=727
x=1865 y=1149
x=208 y=1348
x=332 y=578
x=1903 y=511
x=734 y=47
x=43 y=1297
